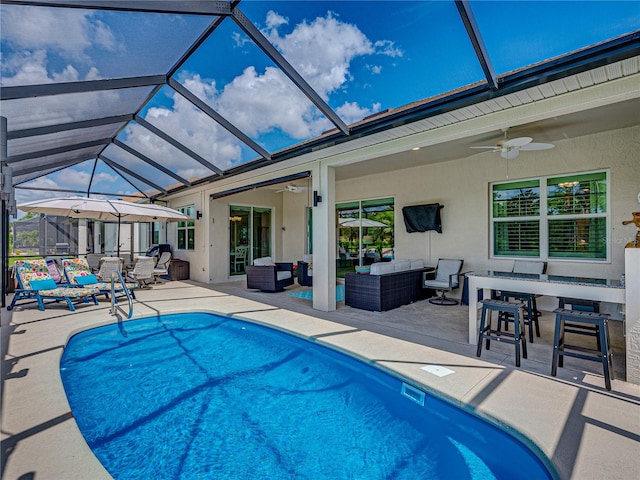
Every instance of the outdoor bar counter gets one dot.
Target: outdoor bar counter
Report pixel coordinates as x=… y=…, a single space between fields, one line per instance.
x=626 y=294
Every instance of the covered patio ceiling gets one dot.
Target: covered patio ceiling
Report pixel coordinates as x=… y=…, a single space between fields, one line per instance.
x=147 y=98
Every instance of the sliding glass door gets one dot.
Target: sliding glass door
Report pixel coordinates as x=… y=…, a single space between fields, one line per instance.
x=249 y=236
x=365 y=233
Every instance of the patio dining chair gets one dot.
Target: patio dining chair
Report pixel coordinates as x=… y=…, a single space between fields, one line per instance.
x=162 y=267
x=142 y=271
x=35 y=283
x=108 y=265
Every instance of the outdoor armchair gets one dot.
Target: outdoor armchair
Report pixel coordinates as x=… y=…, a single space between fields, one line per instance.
x=268 y=276
x=446 y=280
x=305 y=271
x=35 y=283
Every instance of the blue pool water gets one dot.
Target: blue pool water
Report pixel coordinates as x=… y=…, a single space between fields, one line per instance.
x=200 y=396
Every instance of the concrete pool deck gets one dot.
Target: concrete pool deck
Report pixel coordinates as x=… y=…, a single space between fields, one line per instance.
x=584 y=430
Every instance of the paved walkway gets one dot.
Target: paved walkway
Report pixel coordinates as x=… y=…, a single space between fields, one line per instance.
x=585 y=431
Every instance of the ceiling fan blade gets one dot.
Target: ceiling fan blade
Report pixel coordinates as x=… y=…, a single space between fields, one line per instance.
x=537 y=146
x=510 y=154
x=517 y=142
x=497 y=149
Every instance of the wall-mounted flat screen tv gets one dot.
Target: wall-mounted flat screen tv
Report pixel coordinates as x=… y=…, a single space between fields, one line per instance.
x=421 y=218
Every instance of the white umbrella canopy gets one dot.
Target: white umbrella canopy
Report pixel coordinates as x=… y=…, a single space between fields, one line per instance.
x=106 y=210
x=355 y=222
x=101 y=209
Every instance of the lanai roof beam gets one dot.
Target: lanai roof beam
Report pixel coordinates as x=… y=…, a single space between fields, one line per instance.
x=146 y=159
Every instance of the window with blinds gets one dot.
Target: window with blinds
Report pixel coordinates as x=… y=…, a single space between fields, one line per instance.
x=563 y=217
x=516 y=219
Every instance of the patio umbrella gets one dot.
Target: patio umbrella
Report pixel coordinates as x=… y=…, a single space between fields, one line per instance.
x=355 y=222
x=102 y=209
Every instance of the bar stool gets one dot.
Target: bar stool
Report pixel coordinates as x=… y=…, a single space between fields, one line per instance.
x=579 y=304
x=531 y=313
x=564 y=321
x=487 y=333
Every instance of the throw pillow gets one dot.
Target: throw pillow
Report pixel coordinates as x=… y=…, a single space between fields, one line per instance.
x=86 y=279
x=46 y=284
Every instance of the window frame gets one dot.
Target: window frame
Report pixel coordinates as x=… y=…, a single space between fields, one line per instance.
x=188 y=227
x=544 y=217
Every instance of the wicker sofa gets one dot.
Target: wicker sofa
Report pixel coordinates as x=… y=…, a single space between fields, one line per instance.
x=268 y=276
x=389 y=285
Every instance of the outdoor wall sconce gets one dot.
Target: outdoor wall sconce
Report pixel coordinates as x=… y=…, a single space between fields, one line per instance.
x=316 y=198
x=198 y=214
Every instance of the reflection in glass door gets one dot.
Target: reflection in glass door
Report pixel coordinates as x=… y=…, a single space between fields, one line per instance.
x=365 y=233
x=249 y=236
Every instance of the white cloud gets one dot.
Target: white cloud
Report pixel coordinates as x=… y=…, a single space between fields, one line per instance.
x=352 y=112
x=321 y=50
x=34 y=35
x=257 y=102
x=388 y=48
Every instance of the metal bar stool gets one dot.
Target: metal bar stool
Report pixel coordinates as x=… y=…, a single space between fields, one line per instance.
x=579 y=304
x=487 y=333
x=564 y=320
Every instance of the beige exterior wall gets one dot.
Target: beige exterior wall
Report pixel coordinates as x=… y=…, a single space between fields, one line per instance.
x=462 y=186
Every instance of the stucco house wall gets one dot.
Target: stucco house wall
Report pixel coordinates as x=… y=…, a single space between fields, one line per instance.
x=462 y=186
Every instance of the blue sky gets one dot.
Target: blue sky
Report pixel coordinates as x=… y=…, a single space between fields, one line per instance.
x=361 y=57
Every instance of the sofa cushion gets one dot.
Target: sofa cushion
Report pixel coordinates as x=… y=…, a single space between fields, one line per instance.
x=401 y=265
x=380 y=268
x=417 y=263
x=307 y=257
x=282 y=275
x=262 y=262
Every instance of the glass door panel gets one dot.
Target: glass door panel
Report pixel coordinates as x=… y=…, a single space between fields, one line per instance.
x=249 y=236
x=261 y=232
x=239 y=251
x=365 y=233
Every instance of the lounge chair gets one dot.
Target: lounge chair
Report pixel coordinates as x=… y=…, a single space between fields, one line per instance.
x=78 y=273
x=142 y=271
x=35 y=283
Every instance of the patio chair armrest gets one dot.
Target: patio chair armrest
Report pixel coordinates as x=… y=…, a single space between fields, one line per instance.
x=284 y=266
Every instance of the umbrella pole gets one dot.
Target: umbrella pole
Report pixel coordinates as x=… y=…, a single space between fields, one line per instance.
x=118 y=239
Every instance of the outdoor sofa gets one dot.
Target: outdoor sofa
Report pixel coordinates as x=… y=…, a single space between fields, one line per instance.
x=389 y=285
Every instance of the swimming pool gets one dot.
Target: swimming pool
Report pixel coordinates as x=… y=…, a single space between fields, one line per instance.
x=199 y=396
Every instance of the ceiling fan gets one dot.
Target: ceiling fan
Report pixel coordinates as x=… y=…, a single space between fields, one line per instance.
x=510 y=148
x=293 y=189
